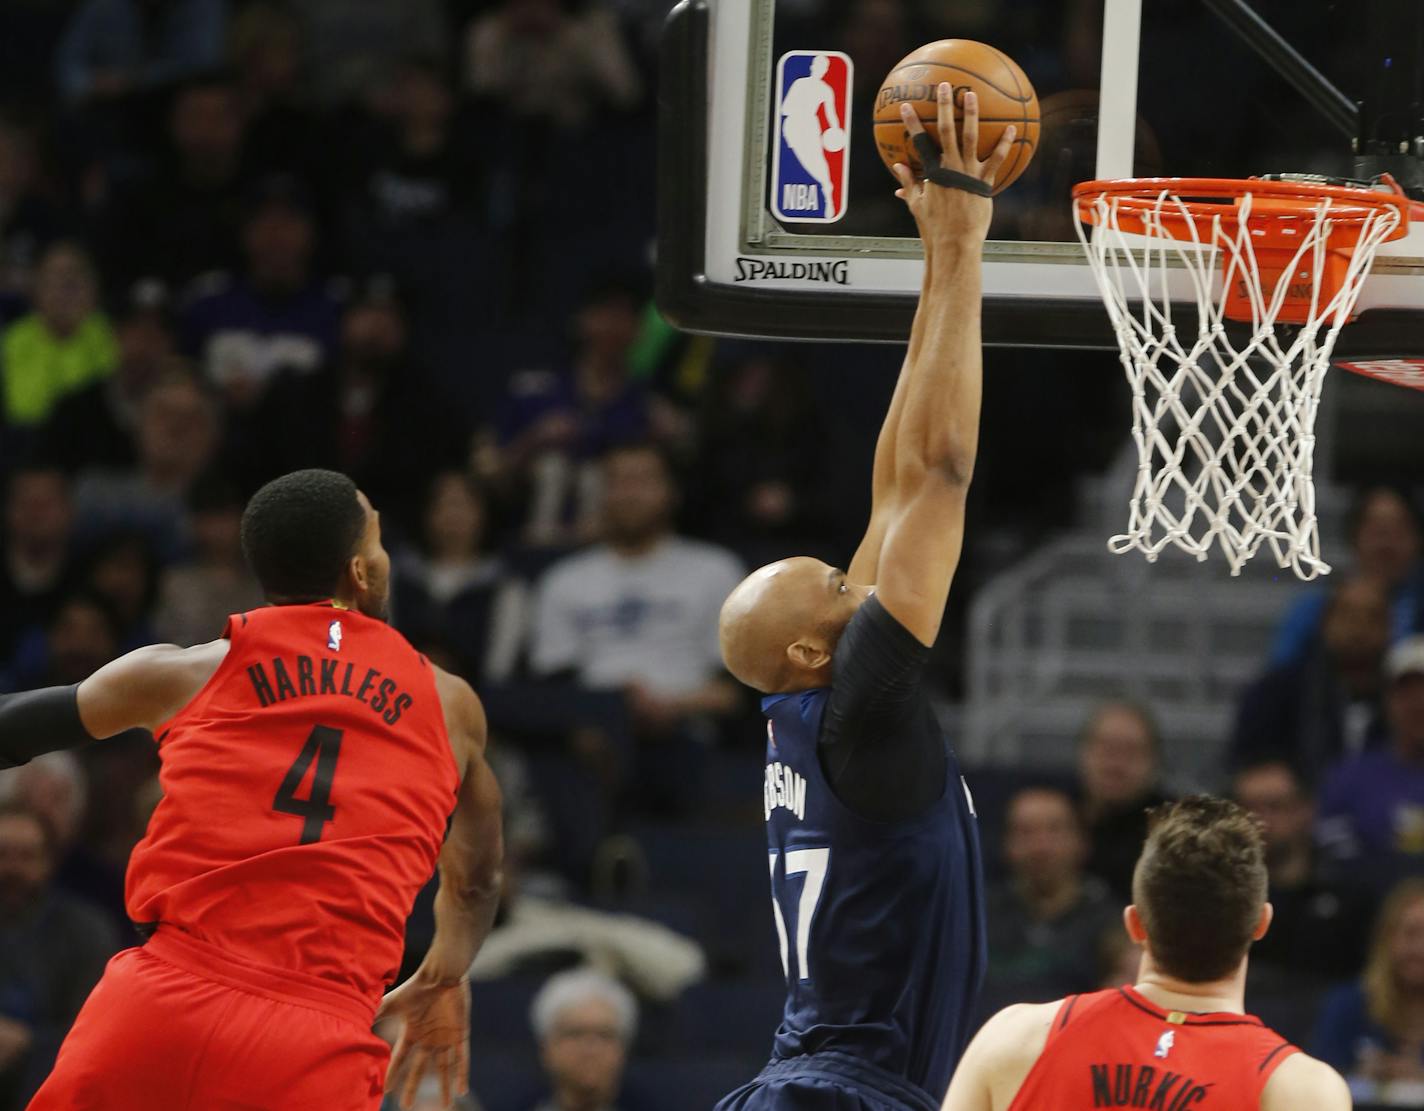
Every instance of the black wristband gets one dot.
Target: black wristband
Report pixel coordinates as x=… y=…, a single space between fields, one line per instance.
x=938 y=175
x=35 y=722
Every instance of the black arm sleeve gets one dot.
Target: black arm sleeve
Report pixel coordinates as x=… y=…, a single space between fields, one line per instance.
x=35 y=722
x=881 y=748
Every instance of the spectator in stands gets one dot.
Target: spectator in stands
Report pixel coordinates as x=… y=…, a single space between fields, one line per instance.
x=637 y=612
x=1372 y=805
x=421 y=167
x=28 y=221
x=51 y=786
x=183 y=219
x=266 y=50
x=54 y=787
x=1119 y=768
x=97 y=426
x=1321 y=923
x=36 y=550
x=760 y=460
x=196 y=598
x=178 y=437
x=354 y=46
x=534 y=930
x=112 y=48
x=585 y=1022
x=81 y=636
x=276 y=318
x=359 y=414
x=1327 y=704
x=121 y=569
x=1048 y=916
x=454 y=590
x=519 y=37
x=52 y=951
x=1371 y=1030
x=1385 y=537
x=63 y=346
x=551 y=428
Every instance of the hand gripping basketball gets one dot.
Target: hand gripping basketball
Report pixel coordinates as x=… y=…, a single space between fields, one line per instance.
x=956 y=164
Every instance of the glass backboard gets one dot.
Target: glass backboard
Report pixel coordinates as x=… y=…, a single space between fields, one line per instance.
x=1127 y=88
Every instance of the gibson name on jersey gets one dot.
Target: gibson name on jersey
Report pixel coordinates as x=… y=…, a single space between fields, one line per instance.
x=784 y=788
x=274 y=682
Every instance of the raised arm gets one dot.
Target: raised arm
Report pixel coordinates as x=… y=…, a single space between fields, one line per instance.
x=865 y=564
x=137 y=691
x=922 y=480
x=435 y=1001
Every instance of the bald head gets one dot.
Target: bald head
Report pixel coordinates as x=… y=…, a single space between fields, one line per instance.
x=780 y=625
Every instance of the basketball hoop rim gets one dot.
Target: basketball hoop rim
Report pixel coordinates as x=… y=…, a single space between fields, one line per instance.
x=1288 y=202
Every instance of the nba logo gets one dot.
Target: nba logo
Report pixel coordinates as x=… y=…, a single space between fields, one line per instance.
x=810 y=155
x=333 y=636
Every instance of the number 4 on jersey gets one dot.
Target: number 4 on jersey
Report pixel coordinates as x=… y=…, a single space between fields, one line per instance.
x=813 y=862
x=323 y=746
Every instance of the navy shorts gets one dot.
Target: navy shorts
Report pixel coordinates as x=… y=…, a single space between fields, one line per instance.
x=827 y=1082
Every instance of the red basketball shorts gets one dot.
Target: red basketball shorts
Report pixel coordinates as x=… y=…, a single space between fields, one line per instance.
x=171 y=1027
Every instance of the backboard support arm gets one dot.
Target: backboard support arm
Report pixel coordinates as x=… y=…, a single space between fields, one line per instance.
x=1287 y=61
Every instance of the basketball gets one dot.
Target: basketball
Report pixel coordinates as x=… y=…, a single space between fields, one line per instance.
x=833 y=139
x=1005 y=95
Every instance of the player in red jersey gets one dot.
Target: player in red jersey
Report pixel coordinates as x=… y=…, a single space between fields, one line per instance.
x=311 y=762
x=1180 y=1039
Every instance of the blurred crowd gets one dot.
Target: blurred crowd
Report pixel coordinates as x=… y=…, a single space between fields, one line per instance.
x=410 y=241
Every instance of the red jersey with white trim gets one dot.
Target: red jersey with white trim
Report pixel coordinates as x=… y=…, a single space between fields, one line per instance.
x=307 y=789
x=1116 y=1048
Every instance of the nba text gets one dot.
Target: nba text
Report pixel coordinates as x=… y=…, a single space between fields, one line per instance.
x=273 y=683
x=828 y=271
x=1145 y=1086
x=800 y=198
x=784 y=789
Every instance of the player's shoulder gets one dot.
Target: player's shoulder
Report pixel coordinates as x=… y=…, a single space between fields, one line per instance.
x=464 y=712
x=1018 y=1033
x=148 y=686
x=1303 y=1083
x=176 y=662
x=1001 y=1056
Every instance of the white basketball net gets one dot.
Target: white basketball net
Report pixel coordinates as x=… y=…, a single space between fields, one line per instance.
x=1224 y=426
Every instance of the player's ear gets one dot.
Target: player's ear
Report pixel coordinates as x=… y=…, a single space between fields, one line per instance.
x=358 y=574
x=1132 y=921
x=805 y=654
x=1268 y=914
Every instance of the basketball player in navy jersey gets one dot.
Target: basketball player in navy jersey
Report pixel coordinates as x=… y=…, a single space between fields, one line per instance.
x=877 y=892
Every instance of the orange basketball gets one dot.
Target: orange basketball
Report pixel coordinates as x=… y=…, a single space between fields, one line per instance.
x=1004 y=92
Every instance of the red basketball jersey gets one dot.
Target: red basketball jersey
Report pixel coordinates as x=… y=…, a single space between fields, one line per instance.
x=306 y=793
x=1117 y=1049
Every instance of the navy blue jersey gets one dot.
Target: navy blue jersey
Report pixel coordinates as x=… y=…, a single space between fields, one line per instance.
x=881 y=923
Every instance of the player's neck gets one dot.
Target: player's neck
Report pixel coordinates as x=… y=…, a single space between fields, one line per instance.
x=1172 y=994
